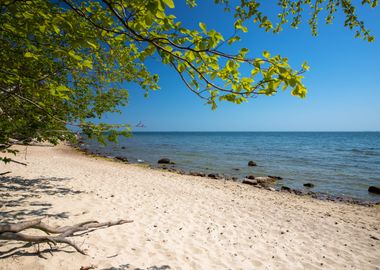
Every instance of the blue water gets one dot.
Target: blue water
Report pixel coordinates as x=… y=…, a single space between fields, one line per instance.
x=339 y=163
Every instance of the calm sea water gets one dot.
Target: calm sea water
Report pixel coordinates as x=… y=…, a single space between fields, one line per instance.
x=339 y=163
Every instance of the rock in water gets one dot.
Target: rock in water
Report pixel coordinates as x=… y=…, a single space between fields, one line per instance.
x=251 y=163
x=213 y=175
x=285 y=188
x=123 y=159
x=165 y=161
x=308 y=185
x=374 y=189
x=251 y=182
x=275 y=177
x=251 y=176
x=265 y=180
x=197 y=174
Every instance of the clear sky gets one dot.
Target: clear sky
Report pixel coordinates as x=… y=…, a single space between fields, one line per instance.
x=343 y=83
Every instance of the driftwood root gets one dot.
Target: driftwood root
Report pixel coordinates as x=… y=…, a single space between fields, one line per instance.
x=54 y=235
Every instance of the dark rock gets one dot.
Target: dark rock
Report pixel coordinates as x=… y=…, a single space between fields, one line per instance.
x=197 y=174
x=234 y=178
x=308 y=185
x=251 y=182
x=251 y=163
x=285 y=188
x=251 y=176
x=165 y=161
x=213 y=175
x=123 y=147
x=275 y=177
x=297 y=192
x=123 y=159
x=236 y=169
x=374 y=189
x=265 y=180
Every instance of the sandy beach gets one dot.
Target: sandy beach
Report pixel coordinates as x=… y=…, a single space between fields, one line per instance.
x=180 y=221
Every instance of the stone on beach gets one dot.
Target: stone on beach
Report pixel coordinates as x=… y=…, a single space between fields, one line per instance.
x=165 y=161
x=265 y=180
x=214 y=176
x=250 y=182
x=285 y=188
x=201 y=174
x=123 y=159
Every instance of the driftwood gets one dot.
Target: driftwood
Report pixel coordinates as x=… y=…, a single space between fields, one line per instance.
x=12 y=231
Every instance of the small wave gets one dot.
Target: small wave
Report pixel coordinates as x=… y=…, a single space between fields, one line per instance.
x=367 y=152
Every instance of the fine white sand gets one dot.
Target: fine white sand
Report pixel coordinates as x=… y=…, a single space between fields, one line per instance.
x=180 y=222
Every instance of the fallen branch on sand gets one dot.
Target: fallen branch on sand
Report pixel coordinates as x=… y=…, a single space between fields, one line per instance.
x=12 y=231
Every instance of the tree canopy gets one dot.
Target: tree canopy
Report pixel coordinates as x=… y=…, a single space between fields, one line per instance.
x=65 y=63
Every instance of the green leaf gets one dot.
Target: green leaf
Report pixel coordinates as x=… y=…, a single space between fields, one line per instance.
x=169 y=3
x=181 y=67
x=244 y=50
x=87 y=63
x=203 y=27
x=30 y=55
x=266 y=54
x=56 y=29
x=230 y=65
x=73 y=55
x=92 y=44
x=305 y=66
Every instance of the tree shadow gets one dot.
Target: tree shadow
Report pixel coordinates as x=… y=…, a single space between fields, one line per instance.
x=18 y=197
x=22 y=250
x=19 y=201
x=129 y=267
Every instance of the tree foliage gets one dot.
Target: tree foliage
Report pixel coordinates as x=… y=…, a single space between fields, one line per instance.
x=65 y=63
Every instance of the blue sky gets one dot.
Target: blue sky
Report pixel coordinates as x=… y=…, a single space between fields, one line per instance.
x=343 y=83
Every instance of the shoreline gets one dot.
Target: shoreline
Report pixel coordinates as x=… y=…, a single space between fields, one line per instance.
x=221 y=177
x=180 y=221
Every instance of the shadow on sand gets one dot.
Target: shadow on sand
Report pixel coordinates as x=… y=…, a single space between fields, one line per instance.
x=129 y=267
x=19 y=201
x=18 y=197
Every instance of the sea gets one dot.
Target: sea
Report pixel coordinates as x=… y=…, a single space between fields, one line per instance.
x=337 y=163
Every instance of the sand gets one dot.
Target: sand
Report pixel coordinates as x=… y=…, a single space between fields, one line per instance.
x=180 y=222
